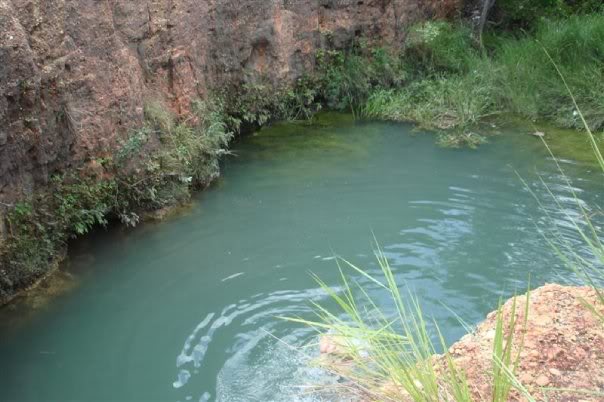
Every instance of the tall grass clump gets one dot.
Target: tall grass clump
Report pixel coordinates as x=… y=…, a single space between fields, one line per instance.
x=530 y=85
x=444 y=102
x=452 y=85
x=392 y=356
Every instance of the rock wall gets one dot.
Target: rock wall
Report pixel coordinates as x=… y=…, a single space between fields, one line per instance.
x=74 y=75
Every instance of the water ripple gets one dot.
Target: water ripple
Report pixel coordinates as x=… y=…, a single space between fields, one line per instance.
x=259 y=316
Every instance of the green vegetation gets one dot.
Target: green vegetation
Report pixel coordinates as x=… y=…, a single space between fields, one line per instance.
x=441 y=79
x=142 y=176
x=588 y=268
x=389 y=355
x=456 y=85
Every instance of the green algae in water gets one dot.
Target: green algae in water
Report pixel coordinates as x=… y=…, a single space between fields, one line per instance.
x=567 y=144
x=571 y=144
x=186 y=309
x=323 y=133
x=329 y=136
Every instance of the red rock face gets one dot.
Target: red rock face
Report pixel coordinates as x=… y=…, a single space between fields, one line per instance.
x=562 y=346
x=74 y=75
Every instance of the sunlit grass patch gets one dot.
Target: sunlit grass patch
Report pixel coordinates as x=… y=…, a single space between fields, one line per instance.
x=402 y=355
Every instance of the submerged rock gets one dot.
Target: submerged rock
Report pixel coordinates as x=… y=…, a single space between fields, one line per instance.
x=330 y=344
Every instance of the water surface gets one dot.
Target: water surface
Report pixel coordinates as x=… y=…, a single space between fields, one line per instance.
x=186 y=309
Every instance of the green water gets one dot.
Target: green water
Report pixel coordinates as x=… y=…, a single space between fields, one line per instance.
x=186 y=309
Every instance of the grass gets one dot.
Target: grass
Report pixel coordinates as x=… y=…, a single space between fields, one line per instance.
x=530 y=83
x=453 y=85
x=387 y=357
x=390 y=357
x=440 y=103
x=590 y=270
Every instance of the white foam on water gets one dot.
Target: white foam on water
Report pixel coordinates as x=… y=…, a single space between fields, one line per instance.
x=232 y=276
x=271 y=372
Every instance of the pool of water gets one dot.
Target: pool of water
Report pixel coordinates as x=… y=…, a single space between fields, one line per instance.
x=188 y=309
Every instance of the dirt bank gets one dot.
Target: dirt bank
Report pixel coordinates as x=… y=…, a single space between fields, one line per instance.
x=562 y=354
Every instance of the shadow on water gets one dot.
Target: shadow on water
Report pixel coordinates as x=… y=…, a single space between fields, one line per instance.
x=76 y=268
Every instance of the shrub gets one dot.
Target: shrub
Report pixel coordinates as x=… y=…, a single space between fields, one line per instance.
x=257 y=102
x=525 y=13
x=39 y=228
x=347 y=79
x=439 y=47
x=344 y=80
x=187 y=158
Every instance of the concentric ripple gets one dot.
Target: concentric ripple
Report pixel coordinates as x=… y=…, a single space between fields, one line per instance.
x=259 y=328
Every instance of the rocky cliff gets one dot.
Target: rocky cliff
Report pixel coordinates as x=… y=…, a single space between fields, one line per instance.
x=74 y=75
